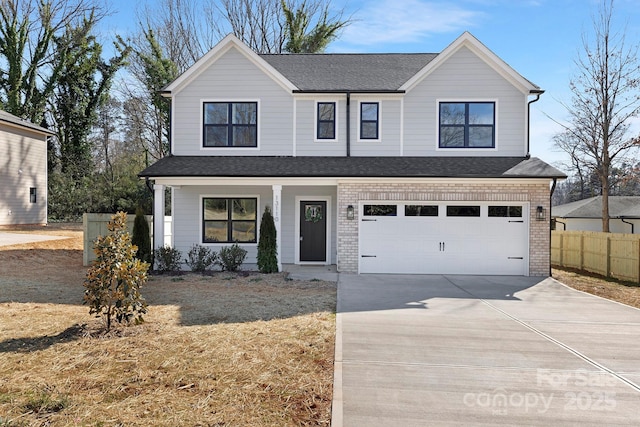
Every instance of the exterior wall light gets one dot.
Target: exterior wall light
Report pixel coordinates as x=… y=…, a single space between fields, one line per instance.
x=351 y=214
x=541 y=213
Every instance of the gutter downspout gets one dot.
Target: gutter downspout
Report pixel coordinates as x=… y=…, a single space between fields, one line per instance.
x=348 y=124
x=627 y=222
x=537 y=93
x=564 y=224
x=553 y=188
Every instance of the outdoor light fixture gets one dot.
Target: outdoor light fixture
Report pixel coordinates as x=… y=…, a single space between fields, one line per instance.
x=350 y=212
x=541 y=213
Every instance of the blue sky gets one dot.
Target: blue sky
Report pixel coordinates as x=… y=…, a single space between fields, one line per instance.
x=539 y=38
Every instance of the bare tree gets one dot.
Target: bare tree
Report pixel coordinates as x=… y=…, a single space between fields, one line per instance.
x=28 y=72
x=605 y=98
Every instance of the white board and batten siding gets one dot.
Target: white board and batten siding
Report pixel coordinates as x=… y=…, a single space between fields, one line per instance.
x=464 y=77
x=221 y=83
x=24 y=166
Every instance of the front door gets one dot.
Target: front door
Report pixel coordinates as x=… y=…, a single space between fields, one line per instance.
x=313 y=231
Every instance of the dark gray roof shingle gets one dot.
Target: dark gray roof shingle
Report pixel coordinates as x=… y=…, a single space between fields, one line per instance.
x=351 y=167
x=349 y=72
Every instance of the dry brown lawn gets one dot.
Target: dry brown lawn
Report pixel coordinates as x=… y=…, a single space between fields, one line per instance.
x=624 y=292
x=220 y=350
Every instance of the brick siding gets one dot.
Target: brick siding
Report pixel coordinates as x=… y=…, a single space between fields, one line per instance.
x=537 y=194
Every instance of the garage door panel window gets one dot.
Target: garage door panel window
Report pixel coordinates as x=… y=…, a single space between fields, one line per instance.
x=228 y=220
x=465 y=211
x=421 y=210
x=380 y=210
x=505 y=211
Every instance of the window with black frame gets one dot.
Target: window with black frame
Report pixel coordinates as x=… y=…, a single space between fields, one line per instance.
x=467 y=125
x=229 y=220
x=369 y=120
x=230 y=124
x=326 y=120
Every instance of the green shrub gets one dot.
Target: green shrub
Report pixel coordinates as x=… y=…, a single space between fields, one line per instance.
x=114 y=280
x=267 y=247
x=167 y=259
x=142 y=237
x=231 y=257
x=200 y=258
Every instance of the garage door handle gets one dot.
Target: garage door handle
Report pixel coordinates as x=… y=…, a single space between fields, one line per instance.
x=368 y=256
x=515 y=257
x=367 y=219
x=517 y=221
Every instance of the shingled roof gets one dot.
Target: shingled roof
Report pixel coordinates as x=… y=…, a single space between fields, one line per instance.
x=349 y=72
x=17 y=121
x=351 y=167
x=619 y=206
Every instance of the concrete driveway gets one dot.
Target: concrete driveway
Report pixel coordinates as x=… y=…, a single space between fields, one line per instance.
x=481 y=350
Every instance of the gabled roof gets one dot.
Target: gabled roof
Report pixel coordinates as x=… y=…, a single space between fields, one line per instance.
x=379 y=73
x=17 y=121
x=469 y=41
x=350 y=167
x=619 y=207
x=215 y=53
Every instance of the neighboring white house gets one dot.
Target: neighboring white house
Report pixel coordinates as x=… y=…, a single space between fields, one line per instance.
x=586 y=214
x=379 y=163
x=23 y=171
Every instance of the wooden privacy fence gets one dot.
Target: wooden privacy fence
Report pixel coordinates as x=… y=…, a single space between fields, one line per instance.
x=95 y=225
x=614 y=255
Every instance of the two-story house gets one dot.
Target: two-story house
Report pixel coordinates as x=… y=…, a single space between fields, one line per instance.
x=379 y=163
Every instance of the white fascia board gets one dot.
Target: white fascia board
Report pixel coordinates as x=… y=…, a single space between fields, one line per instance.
x=230 y=41
x=484 y=53
x=286 y=181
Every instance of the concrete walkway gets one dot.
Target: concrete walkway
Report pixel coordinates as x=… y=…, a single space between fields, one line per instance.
x=8 y=239
x=479 y=350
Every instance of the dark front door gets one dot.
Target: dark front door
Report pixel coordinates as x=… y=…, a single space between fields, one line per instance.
x=313 y=231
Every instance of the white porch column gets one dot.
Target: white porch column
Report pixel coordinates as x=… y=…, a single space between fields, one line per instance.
x=158 y=216
x=277 y=213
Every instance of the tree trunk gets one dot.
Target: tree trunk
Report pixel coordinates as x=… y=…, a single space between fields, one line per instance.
x=605 y=203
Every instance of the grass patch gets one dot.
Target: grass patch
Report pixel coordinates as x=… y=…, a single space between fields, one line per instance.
x=616 y=290
x=258 y=353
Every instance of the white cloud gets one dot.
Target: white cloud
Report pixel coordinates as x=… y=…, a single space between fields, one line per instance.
x=405 y=21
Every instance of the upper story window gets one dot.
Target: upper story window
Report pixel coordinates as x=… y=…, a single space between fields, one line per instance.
x=467 y=125
x=326 y=120
x=369 y=120
x=230 y=124
x=32 y=195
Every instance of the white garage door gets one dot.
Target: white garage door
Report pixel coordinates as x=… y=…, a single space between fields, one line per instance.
x=444 y=238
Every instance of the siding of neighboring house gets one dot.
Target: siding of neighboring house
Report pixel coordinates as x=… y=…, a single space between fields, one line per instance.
x=595 y=224
x=464 y=77
x=23 y=165
x=220 y=83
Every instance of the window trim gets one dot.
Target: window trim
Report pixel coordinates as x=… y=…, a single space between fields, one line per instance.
x=468 y=101
x=204 y=101
x=378 y=121
x=335 y=121
x=228 y=197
